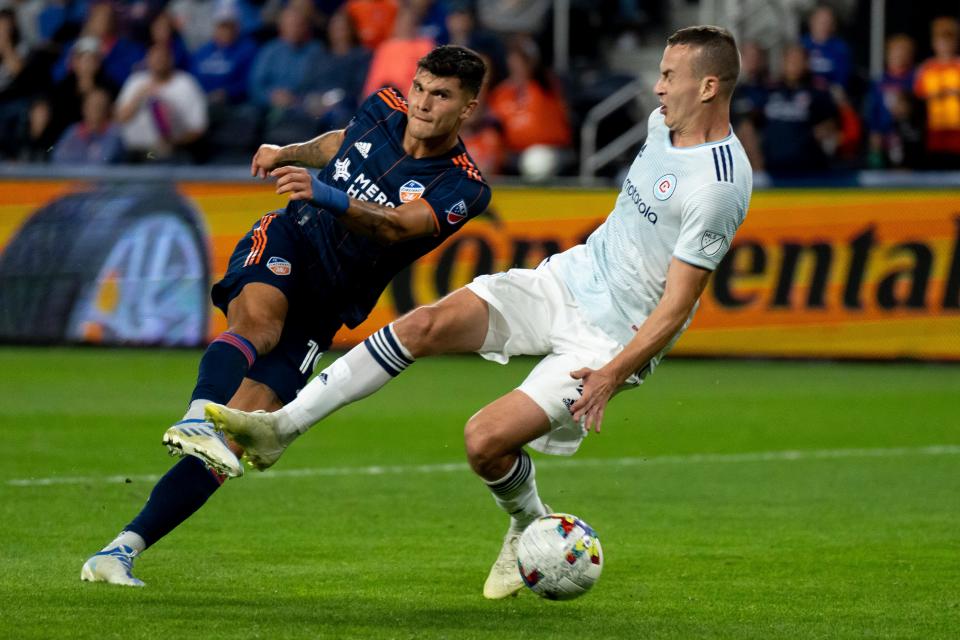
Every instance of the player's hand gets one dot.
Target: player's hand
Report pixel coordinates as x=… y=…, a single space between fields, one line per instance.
x=294 y=180
x=264 y=160
x=598 y=387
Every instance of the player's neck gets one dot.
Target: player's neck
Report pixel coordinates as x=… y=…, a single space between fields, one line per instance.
x=710 y=128
x=428 y=148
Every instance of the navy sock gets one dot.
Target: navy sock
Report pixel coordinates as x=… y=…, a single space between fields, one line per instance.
x=223 y=367
x=175 y=498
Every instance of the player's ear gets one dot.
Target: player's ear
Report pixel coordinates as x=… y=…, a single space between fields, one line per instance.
x=469 y=108
x=709 y=88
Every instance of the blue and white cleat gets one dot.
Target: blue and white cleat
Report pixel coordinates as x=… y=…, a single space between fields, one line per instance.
x=198 y=438
x=113 y=566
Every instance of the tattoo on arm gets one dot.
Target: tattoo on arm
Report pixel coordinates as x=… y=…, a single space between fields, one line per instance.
x=313 y=153
x=372 y=220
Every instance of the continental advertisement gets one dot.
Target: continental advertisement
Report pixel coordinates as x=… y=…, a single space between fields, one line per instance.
x=838 y=273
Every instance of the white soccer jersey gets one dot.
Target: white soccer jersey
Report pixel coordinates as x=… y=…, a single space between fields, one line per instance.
x=683 y=202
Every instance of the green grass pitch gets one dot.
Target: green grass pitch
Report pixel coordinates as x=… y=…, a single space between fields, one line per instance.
x=711 y=527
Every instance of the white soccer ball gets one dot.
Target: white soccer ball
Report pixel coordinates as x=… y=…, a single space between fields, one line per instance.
x=559 y=557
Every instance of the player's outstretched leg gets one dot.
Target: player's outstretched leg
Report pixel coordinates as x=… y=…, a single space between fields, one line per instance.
x=456 y=324
x=358 y=373
x=494 y=440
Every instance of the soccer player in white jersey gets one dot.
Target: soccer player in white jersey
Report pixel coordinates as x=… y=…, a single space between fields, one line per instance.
x=603 y=313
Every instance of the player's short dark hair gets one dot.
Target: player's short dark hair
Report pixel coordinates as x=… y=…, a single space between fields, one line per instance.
x=451 y=61
x=716 y=53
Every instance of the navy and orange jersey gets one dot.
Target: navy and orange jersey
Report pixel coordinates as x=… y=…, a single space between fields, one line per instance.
x=372 y=165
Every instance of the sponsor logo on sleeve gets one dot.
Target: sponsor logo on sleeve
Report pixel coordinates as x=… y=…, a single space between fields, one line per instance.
x=279 y=266
x=711 y=243
x=410 y=191
x=457 y=213
x=665 y=187
x=363 y=148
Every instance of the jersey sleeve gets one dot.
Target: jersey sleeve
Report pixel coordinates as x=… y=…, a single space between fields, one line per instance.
x=456 y=198
x=710 y=216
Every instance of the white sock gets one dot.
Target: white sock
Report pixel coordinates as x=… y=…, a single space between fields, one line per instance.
x=516 y=493
x=128 y=538
x=355 y=375
x=195 y=410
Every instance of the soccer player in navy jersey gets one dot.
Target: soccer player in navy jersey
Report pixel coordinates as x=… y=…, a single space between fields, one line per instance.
x=393 y=185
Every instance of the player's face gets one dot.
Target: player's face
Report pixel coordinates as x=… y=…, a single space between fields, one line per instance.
x=678 y=87
x=437 y=106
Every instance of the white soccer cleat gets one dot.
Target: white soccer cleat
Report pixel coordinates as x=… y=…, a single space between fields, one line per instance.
x=255 y=431
x=113 y=566
x=198 y=438
x=504 y=579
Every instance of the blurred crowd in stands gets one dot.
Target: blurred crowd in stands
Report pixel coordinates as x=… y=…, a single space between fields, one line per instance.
x=818 y=114
x=206 y=81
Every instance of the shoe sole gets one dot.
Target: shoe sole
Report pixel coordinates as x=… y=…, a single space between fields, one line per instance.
x=87 y=575
x=511 y=594
x=179 y=447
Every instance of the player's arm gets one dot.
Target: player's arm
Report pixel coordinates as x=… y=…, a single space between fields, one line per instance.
x=313 y=153
x=386 y=225
x=685 y=283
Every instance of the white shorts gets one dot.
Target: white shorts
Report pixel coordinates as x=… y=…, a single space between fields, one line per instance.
x=533 y=313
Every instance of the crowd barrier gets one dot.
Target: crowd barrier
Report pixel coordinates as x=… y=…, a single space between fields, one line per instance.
x=128 y=256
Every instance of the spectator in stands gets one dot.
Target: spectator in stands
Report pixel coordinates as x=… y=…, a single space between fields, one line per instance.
x=62 y=105
x=162 y=111
x=431 y=18
x=462 y=30
x=95 y=139
x=529 y=105
x=938 y=85
x=373 y=20
x=800 y=121
x=20 y=81
x=749 y=99
x=828 y=54
x=892 y=115
x=395 y=60
x=334 y=86
x=119 y=54
x=163 y=31
x=279 y=70
x=222 y=66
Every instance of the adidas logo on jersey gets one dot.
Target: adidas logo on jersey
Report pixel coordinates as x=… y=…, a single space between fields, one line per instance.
x=363 y=148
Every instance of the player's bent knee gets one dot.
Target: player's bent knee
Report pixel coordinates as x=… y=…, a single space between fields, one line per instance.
x=482 y=447
x=419 y=331
x=263 y=335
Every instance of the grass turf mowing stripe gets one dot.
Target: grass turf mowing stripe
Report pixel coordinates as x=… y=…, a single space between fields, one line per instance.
x=698 y=458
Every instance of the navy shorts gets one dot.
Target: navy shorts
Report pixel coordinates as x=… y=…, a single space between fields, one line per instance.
x=277 y=252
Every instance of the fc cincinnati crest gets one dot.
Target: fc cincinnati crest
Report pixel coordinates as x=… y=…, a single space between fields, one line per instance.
x=457 y=213
x=665 y=186
x=410 y=191
x=712 y=242
x=279 y=266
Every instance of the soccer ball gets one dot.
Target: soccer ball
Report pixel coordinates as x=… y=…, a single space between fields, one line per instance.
x=559 y=557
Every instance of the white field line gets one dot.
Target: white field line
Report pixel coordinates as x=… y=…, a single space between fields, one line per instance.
x=696 y=458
